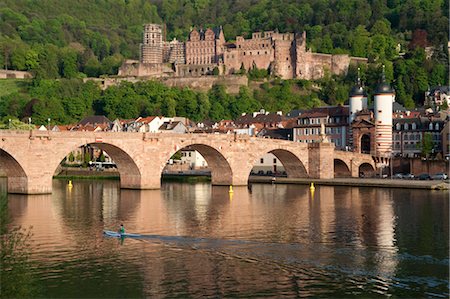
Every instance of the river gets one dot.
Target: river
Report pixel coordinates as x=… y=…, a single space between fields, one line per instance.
x=279 y=241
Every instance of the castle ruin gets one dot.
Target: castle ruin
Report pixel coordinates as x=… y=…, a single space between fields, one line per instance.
x=206 y=53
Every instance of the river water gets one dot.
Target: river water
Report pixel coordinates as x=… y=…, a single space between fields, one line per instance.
x=199 y=240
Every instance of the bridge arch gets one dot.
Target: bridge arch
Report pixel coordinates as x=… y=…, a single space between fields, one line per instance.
x=130 y=174
x=221 y=172
x=366 y=170
x=292 y=164
x=341 y=169
x=16 y=175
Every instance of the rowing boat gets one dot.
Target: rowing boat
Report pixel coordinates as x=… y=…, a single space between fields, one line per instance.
x=119 y=235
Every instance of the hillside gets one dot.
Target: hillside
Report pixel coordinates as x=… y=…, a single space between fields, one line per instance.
x=79 y=38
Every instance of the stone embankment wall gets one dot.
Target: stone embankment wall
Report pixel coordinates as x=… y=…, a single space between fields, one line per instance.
x=231 y=83
x=7 y=74
x=417 y=166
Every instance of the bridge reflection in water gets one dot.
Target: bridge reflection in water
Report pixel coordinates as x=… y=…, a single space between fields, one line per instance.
x=276 y=240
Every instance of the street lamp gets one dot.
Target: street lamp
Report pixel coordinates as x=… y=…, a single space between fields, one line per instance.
x=29 y=120
x=9 y=124
x=48 y=123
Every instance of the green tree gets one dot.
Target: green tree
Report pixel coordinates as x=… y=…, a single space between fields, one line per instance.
x=427 y=145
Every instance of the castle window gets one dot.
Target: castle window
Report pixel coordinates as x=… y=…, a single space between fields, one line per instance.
x=250 y=53
x=287 y=58
x=244 y=53
x=265 y=52
x=258 y=52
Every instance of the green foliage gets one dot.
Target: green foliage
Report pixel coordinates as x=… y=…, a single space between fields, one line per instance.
x=87 y=159
x=15 y=251
x=79 y=38
x=427 y=144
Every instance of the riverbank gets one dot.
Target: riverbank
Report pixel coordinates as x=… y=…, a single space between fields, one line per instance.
x=201 y=176
x=355 y=182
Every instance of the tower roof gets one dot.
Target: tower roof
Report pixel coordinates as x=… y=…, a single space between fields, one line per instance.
x=358 y=89
x=383 y=87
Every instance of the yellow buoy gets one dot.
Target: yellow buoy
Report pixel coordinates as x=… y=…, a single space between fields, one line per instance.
x=231 y=189
x=312 y=187
x=70 y=184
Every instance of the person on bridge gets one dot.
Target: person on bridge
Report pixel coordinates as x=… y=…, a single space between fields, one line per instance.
x=121 y=229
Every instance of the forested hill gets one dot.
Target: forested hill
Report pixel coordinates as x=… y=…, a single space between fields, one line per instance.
x=78 y=38
x=35 y=32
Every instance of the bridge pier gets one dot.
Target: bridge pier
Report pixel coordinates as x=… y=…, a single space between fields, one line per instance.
x=29 y=185
x=138 y=182
x=321 y=160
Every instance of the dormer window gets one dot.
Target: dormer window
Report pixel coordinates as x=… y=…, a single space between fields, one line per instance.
x=398 y=126
x=406 y=127
x=413 y=126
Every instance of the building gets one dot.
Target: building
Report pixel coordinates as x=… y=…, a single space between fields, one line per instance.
x=408 y=134
x=335 y=119
x=437 y=96
x=206 y=53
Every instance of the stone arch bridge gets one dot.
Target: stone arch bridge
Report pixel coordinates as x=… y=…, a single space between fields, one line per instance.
x=30 y=158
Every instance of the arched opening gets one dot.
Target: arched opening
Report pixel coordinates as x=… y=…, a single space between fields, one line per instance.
x=101 y=159
x=365 y=144
x=279 y=163
x=366 y=170
x=200 y=160
x=341 y=169
x=16 y=176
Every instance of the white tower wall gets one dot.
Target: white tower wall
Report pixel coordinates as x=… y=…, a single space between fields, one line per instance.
x=383 y=123
x=355 y=105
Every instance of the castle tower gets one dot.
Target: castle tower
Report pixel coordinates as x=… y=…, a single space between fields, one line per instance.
x=152 y=46
x=383 y=98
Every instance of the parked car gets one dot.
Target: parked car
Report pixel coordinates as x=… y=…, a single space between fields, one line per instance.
x=398 y=176
x=439 y=176
x=408 y=176
x=424 y=177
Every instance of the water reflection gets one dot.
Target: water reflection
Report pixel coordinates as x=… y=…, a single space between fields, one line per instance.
x=267 y=240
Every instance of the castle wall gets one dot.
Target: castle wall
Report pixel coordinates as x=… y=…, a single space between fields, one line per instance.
x=195 y=70
x=137 y=69
x=9 y=74
x=231 y=83
x=284 y=53
x=284 y=59
x=174 y=52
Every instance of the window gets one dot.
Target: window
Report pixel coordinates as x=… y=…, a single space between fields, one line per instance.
x=261 y=161
x=436 y=127
x=406 y=127
x=274 y=160
x=413 y=126
x=398 y=126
